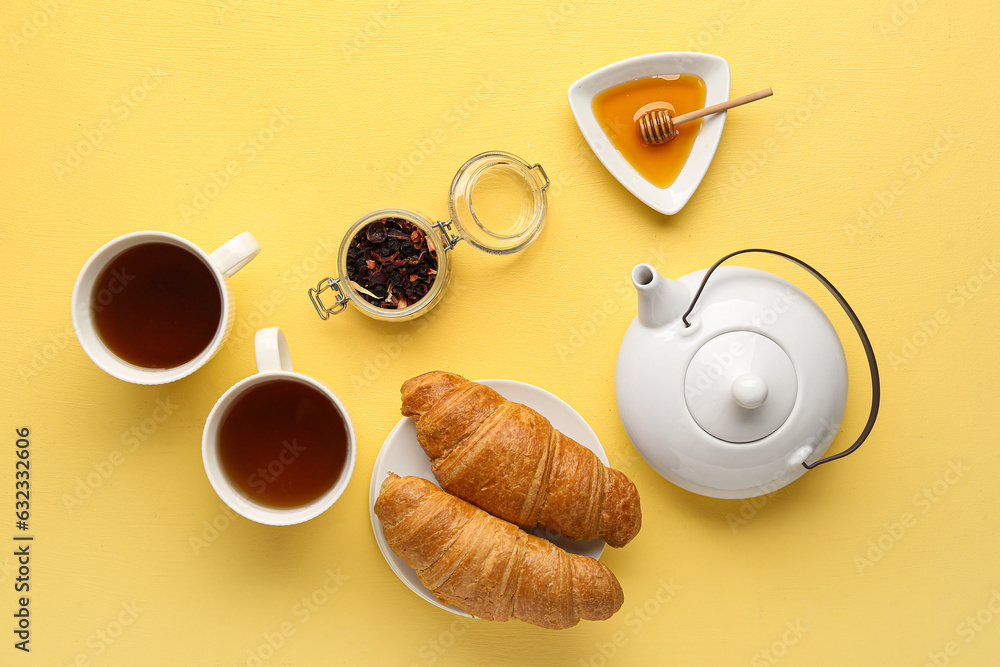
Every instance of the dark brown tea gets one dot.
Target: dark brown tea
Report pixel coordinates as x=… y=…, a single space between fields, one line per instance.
x=156 y=305
x=282 y=443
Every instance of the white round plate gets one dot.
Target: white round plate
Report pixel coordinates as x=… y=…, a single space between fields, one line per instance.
x=402 y=454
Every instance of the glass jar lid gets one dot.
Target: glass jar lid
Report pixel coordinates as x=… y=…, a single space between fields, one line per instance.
x=497 y=202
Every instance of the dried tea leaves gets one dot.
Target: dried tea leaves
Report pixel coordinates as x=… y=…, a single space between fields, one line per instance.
x=391 y=264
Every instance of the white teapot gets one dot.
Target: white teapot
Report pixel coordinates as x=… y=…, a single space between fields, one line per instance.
x=736 y=387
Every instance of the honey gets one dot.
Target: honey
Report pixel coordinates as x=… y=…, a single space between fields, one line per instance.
x=616 y=109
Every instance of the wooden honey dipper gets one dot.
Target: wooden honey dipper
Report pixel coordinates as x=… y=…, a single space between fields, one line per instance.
x=656 y=125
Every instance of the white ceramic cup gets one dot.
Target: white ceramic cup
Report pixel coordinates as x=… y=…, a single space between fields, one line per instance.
x=224 y=263
x=273 y=362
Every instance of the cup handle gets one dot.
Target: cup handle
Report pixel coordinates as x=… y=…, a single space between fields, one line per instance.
x=235 y=253
x=271 y=350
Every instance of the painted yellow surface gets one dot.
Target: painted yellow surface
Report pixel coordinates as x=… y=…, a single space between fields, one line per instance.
x=876 y=161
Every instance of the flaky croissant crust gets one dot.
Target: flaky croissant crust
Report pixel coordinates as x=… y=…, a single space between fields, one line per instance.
x=488 y=566
x=507 y=459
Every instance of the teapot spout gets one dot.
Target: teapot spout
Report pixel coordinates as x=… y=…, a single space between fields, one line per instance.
x=661 y=300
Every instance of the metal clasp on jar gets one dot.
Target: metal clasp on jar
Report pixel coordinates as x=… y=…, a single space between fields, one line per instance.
x=544 y=175
x=317 y=301
x=451 y=239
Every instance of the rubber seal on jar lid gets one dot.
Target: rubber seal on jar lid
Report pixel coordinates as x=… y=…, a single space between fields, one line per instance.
x=497 y=202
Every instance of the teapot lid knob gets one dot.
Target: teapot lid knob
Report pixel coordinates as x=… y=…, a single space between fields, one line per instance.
x=750 y=390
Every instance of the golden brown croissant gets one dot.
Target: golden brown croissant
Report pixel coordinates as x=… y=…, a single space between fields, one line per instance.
x=507 y=459
x=487 y=566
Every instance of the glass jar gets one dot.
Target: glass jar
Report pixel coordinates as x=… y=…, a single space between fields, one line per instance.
x=497 y=204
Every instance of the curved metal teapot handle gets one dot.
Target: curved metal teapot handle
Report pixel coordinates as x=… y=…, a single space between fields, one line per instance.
x=869 y=352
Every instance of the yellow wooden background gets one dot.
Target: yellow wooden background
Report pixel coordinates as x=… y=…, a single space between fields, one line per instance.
x=876 y=161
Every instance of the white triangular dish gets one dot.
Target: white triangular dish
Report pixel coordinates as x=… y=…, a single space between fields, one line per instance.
x=714 y=71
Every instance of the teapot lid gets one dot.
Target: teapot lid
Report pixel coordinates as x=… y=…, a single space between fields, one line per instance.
x=740 y=386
